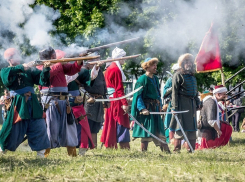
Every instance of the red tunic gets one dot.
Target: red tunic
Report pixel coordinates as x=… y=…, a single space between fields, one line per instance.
x=115 y=113
x=58 y=72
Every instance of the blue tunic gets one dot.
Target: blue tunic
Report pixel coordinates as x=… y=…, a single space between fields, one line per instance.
x=168 y=117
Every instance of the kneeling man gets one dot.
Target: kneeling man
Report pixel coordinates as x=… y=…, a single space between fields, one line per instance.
x=213 y=131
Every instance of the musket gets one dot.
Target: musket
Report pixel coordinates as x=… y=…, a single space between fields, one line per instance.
x=236 y=87
x=234 y=75
x=111 y=60
x=62 y=60
x=235 y=95
x=237 y=107
x=110 y=45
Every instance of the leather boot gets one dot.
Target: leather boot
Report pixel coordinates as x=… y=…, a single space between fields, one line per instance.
x=124 y=145
x=71 y=151
x=164 y=147
x=177 y=145
x=47 y=152
x=94 y=138
x=144 y=146
x=193 y=144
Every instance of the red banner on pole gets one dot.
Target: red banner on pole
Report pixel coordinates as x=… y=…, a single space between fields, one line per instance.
x=208 y=58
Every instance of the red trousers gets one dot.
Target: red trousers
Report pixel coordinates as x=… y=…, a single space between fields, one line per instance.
x=221 y=141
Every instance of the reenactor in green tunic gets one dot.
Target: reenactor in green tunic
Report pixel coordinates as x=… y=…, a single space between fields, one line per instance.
x=145 y=101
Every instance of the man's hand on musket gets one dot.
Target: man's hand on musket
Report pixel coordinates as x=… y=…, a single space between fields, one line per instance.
x=80 y=62
x=173 y=111
x=91 y=100
x=99 y=64
x=145 y=112
x=27 y=65
x=46 y=64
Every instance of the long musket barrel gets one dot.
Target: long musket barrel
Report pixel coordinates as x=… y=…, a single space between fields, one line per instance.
x=112 y=44
x=234 y=75
x=116 y=59
x=235 y=95
x=71 y=59
x=236 y=87
x=41 y=62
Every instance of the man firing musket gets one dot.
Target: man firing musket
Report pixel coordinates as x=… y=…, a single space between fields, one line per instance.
x=61 y=131
x=116 y=126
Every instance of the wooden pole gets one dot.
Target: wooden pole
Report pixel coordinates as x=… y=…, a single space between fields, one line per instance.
x=223 y=83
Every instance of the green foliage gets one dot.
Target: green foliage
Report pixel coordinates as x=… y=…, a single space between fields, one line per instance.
x=80 y=17
x=83 y=22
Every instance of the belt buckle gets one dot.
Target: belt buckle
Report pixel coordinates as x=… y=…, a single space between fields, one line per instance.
x=62 y=97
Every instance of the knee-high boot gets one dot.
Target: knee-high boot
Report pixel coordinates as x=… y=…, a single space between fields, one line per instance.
x=177 y=145
x=124 y=145
x=144 y=146
x=164 y=147
x=71 y=151
x=193 y=145
x=47 y=152
x=94 y=138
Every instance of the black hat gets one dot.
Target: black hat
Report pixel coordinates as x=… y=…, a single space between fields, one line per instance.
x=46 y=54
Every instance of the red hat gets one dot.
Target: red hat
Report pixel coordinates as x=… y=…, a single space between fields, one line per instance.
x=9 y=53
x=59 y=54
x=219 y=89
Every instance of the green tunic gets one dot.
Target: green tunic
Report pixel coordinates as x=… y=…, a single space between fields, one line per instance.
x=184 y=97
x=15 y=78
x=83 y=78
x=153 y=123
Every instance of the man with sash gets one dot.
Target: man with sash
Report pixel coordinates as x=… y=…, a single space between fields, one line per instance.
x=116 y=126
x=98 y=90
x=77 y=100
x=213 y=129
x=145 y=101
x=25 y=114
x=185 y=97
x=61 y=127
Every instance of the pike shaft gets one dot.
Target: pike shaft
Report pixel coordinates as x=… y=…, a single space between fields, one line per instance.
x=112 y=44
x=234 y=75
x=235 y=95
x=236 y=87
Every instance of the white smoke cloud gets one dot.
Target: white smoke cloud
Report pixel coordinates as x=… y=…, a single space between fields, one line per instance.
x=39 y=25
x=24 y=23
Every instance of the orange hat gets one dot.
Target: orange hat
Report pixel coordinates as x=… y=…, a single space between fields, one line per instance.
x=59 y=54
x=9 y=53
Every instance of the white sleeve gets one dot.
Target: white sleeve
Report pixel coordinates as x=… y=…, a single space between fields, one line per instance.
x=71 y=78
x=212 y=122
x=94 y=72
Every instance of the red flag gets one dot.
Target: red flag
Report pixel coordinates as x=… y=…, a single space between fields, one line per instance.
x=208 y=58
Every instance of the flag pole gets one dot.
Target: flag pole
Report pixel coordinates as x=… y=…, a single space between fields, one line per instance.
x=223 y=83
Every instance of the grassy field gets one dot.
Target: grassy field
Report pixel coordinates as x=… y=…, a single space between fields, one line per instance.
x=224 y=164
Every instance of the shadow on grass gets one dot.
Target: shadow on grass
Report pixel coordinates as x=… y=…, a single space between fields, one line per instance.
x=237 y=141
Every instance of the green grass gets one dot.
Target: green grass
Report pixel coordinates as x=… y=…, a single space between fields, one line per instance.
x=223 y=164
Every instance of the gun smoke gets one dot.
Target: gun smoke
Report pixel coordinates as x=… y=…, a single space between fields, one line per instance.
x=170 y=27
